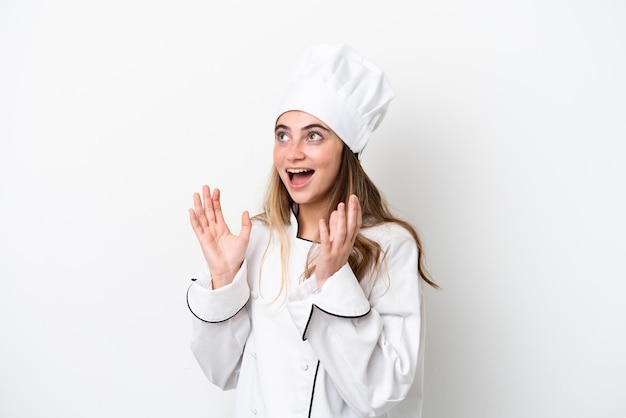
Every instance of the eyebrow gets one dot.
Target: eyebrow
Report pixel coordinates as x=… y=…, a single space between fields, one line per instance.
x=306 y=128
x=315 y=126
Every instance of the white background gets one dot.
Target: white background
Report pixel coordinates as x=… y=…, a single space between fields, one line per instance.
x=504 y=146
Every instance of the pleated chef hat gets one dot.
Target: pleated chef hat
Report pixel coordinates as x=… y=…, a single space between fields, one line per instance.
x=337 y=85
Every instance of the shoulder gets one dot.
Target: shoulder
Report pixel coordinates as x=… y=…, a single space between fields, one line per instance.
x=260 y=232
x=260 y=225
x=399 y=262
x=389 y=235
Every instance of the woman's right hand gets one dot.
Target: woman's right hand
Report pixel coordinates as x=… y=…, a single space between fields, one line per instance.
x=223 y=251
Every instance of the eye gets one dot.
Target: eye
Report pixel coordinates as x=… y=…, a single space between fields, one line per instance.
x=282 y=137
x=314 y=136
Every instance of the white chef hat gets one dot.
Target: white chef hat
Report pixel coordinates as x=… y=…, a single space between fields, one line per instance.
x=337 y=85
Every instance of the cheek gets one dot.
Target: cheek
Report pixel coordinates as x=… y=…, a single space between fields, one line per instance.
x=277 y=155
x=336 y=167
x=337 y=151
x=279 y=158
x=335 y=161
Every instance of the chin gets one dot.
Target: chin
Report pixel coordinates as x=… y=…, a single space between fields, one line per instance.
x=299 y=198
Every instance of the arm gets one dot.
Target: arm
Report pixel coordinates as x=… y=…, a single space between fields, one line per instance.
x=221 y=324
x=368 y=345
x=220 y=327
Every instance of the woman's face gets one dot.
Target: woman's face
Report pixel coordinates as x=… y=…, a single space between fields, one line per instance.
x=307 y=156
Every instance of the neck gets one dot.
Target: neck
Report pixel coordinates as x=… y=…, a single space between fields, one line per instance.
x=308 y=222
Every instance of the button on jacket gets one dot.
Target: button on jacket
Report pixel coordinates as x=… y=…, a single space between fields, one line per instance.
x=352 y=349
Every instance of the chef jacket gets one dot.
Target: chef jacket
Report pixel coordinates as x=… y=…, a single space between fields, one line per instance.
x=352 y=349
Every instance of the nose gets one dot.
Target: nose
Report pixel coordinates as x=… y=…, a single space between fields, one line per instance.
x=295 y=151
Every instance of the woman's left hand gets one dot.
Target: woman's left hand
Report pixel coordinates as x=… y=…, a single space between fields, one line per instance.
x=336 y=244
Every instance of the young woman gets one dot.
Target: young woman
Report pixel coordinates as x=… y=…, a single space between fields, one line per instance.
x=314 y=309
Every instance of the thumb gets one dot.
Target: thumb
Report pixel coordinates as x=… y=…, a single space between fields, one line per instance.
x=246 y=226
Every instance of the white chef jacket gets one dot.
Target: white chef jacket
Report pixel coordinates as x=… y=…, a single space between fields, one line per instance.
x=350 y=350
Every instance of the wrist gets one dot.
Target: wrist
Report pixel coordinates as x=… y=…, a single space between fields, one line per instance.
x=320 y=280
x=224 y=277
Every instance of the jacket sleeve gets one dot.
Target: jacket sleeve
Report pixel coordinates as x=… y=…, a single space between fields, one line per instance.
x=220 y=326
x=368 y=344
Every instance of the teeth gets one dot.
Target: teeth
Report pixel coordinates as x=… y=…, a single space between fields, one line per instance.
x=297 y=170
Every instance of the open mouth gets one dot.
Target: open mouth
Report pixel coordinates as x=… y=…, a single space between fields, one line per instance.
x=299 y=176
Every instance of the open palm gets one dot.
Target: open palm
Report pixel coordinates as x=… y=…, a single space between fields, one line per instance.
x=224 y=252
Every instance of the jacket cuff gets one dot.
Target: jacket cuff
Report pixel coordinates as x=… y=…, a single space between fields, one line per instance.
x=218 y=305
x=341 y=296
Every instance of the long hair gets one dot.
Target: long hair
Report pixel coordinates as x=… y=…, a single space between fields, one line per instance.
x=352 y=179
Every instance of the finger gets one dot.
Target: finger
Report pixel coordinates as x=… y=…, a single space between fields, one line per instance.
x=324 y=235
x=351 y=216
x=195 y=224
x=332 y=225
x=217 y=206
x=208 y=204
x=246 y=226
x=340 y=227
x=199 y=210
x=359 y=215
x=354 y=218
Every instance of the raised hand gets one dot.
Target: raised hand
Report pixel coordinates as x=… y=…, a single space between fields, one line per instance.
x=336 y=244
x=224 y=252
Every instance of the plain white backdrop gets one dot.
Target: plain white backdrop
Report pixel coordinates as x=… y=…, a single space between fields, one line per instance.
x=504 y=146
